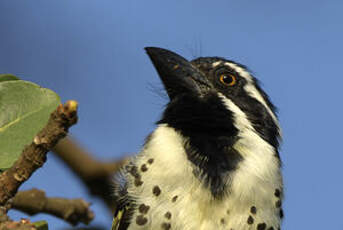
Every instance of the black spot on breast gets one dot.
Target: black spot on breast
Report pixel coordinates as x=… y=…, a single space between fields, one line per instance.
x=151 y=160
x=281 y=213
x=168 y=215
x=143 y=208
x=278 y=203
x=277 y=193
x=166 y=226
x=156 y=190
x=250 y=220
x=141 y=220
x=174 y=198
x=222 y=221
x=138 y=182
x=133 y=171
x=261 y=226
x=271 y=228
x=253 y=210
x=144 y=168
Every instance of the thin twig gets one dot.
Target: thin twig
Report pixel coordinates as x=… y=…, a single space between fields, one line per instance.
x=23 y=224
x=35 y=201
x=96 y=175
x=3 y=214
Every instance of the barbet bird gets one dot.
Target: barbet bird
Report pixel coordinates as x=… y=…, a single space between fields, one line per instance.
x=212 y=163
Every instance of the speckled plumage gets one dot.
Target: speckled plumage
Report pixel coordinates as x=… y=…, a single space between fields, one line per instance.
x=212 y=163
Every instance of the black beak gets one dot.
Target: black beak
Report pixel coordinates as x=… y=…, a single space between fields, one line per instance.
x=178 y=75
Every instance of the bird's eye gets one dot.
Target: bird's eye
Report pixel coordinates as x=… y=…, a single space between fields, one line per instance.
x=227 y=79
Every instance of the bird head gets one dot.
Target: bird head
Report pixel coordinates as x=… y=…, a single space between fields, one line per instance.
x=214 y=102
x=225 y=87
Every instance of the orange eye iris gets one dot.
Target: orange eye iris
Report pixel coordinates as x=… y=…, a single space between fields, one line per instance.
x=227 y=79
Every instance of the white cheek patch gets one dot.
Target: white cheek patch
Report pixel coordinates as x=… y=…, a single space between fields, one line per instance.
x=251 y=89
x=259 y=155
x=241 y=122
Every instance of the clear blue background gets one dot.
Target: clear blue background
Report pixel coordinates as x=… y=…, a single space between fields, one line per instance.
x=92 y=51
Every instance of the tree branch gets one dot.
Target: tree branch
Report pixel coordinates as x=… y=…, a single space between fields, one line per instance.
x=23 y=224
x=3 y=214
x=34 y=155
x=35 y=201
x=96 y=175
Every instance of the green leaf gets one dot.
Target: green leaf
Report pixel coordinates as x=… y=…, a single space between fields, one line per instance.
x=25 y=109
x=41 y=225
x=8 y=77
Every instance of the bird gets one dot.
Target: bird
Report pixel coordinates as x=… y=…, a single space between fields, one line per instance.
x=212 y=162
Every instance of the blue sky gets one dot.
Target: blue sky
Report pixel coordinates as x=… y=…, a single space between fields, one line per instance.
x=92 y=51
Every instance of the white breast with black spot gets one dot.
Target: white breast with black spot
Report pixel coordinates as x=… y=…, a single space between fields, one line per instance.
x=169 y=196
